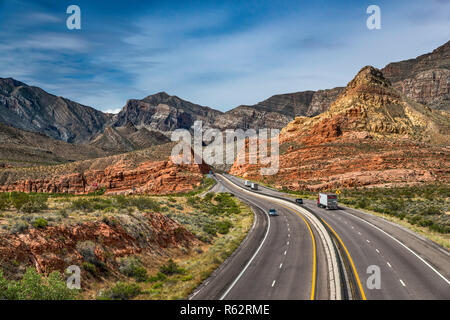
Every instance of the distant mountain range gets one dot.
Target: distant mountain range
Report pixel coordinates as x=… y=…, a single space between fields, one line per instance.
x=150 y=121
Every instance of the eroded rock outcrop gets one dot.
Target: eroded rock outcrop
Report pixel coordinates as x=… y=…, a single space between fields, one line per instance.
x=372 y=135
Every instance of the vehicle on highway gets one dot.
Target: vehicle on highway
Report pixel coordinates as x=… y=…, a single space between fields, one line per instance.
x=299 y=200
x=273 y=212
x=254 y=186
x=247 y=183
x=327 y=200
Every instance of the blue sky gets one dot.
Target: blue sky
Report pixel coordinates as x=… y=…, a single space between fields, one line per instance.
x=215 y=53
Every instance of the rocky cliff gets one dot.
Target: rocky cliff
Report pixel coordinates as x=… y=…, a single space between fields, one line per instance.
x=425 y=79
x=371 y=135
x=23 y=148
x=164 y=113
x=145 y=171
x=57 y=247
x=33 y=109
x=127 y=138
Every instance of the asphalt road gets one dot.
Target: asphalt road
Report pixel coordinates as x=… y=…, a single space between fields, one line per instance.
x=411 y=267
x=281 y=258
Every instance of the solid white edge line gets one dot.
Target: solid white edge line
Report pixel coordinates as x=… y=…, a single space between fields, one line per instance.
x=402 y=244
x=251 y=259
x=333 y=273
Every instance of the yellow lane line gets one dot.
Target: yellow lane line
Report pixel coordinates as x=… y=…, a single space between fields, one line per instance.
x=314 y=248
x=351 y=261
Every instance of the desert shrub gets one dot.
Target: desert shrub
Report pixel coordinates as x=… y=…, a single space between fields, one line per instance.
x=89 y=267
x=87 y=250
x=144 y=204
x=208 y=196
x=132 y=267
x=62 y=213
x=159 y=277
x=171 y=268
x=34 y=286
x=223 y=227
x=82 y=204
x=121 y=291
x=4 y=203
x=34 y=205
x=19 y=227
x=39 y=223
x=19 y=199
x=171 y=199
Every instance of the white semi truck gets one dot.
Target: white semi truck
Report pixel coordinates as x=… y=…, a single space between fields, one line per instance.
x=327 y=200
x=248 y=183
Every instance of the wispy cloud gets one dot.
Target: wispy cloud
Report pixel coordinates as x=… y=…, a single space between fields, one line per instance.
x=220 y=54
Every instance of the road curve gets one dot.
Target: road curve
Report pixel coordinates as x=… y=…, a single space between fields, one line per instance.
x=411 y=267
x=280 y=258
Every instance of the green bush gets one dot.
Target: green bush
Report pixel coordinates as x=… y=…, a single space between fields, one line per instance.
x=39 y=223
x=34 y=286
x=223 y=227
x=19 y=227
x=34 y=205
x=19 y=199
x=132 y=267
x=4 y=203
x=159 y=277
x=82 y=204
x=89 y=267
x=171 y=268
x=121 y=291
x=144 y=204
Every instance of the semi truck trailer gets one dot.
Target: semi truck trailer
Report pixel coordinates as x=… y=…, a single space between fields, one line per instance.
x=327 y=200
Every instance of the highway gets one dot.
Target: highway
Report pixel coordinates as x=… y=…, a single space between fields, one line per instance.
x=411 y=267
x=281 y=258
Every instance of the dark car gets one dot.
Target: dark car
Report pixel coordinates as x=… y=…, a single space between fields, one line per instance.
x=273 y=212
x=299 y=201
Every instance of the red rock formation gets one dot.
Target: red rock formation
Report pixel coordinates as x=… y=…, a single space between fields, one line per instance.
x=371 y=136
x=132 y=172
x=55 y=248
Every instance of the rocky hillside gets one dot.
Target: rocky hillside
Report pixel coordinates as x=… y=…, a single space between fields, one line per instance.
x=371 y=135
x=164 y=113
x=23 y=148
x=425 y=79
x=33 y=109
x=144 y=171
x=278 y=111
x=127 y=138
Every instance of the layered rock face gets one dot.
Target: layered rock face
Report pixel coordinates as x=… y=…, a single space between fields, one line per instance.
x=145 y=171
x=425 y=79
x=127 y=138
x=372 y=135
x=57 y=247
x=33 y=109
x=23 y=148
x=164 y=113
x=277 y=111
